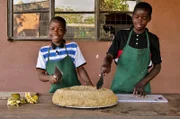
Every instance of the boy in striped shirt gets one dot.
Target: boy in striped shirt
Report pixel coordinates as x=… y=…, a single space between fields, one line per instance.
x=67 y=57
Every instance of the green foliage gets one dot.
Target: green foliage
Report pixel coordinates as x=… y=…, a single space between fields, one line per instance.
x=113 y=5
x=75 y=18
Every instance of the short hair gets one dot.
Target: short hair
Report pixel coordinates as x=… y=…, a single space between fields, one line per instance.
x=60 y=20
x=143 y=5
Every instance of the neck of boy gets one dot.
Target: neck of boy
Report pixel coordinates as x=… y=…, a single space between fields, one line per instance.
x=139 y=31
x=60 y=43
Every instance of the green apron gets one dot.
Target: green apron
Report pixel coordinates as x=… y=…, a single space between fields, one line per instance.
x=67 y=67
x=131 y=68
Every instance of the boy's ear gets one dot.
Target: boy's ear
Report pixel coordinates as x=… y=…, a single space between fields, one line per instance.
x=149 y=19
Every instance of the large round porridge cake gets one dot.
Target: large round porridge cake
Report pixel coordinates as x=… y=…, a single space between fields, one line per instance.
x=84 y=96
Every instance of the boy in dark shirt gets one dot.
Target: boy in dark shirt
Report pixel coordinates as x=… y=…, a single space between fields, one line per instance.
x=134 y=48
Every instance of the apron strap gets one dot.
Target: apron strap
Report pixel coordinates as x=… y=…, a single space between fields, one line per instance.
x=48 y=53
x=147 y=37
x=129 y=37
x=66 y=50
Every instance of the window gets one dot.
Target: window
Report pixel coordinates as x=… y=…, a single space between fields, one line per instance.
x=86 y=19
x=80 y=17
x=114 y=15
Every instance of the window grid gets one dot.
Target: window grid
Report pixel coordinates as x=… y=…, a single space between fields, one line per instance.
x=86 y=31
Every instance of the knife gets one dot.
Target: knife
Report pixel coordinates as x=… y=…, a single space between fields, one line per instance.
x=58 y=73
x=100 y=82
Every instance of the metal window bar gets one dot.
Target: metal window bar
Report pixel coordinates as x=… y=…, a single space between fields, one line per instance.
x=97 y=21
x=31 y=11
x=10 y=17
x=51 y=9
x=75 y=12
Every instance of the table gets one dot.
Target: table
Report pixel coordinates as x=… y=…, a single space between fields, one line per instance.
x=45 y=109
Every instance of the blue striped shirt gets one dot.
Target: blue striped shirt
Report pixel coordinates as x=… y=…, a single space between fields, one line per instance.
x=60 y=53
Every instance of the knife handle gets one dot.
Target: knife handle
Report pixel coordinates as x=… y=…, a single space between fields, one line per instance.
x=54 y=76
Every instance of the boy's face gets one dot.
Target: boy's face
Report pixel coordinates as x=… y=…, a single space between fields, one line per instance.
x=56 y=31
x=140 y=19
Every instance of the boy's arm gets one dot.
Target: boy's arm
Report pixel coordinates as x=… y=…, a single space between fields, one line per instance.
x=43 y=76
x=83 y=75
x=139 y=88
x=154 y=71
x=106 y=66
x=79 y=62
x=111 y=54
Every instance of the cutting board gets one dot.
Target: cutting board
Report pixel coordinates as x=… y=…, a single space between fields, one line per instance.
x=6 y=95
x=148 y=98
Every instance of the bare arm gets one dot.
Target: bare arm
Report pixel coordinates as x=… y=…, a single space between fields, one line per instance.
x=106 y=66
x=43 y=76
x=139 y=88
x=83 y=75
x=154 y=71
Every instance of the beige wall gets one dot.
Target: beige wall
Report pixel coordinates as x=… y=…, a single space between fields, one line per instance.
x=18 y=59
x=165 y=23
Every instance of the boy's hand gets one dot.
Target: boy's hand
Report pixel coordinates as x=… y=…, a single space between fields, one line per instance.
x=105 y=68
x=139 y=89
x=53 y=79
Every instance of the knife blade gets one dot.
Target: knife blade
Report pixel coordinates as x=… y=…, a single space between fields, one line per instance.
x=59 y=74
x=100 y=82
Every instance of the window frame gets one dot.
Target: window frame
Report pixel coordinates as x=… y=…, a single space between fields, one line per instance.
x=51 y=12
